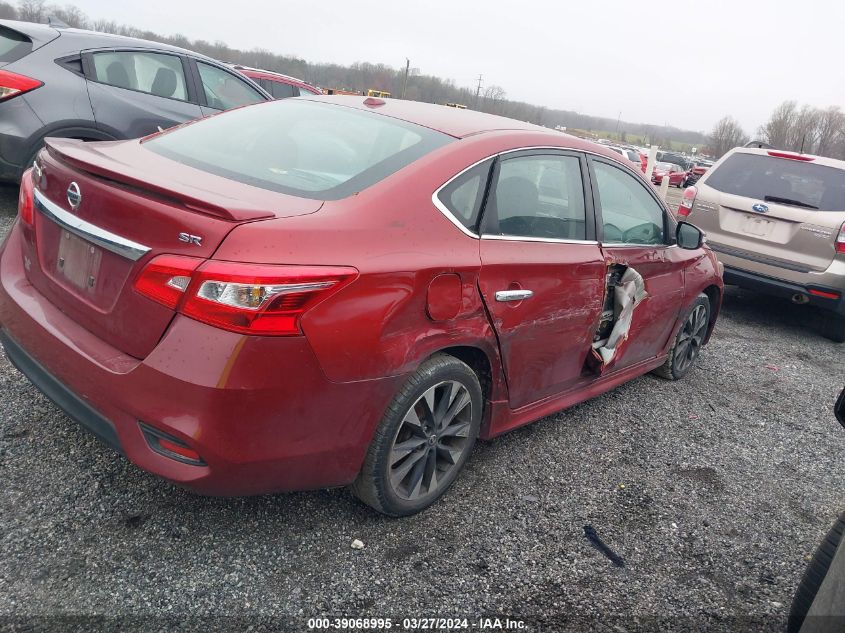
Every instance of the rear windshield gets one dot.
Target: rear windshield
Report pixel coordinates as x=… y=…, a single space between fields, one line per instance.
x=781 y=180
x=304 y=148
x=13 y=45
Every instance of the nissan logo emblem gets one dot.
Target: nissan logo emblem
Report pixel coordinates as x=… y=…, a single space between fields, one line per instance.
x=74 y=196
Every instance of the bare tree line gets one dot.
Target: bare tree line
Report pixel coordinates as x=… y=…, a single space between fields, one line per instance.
x=819 y=131
x=726 y=134
x=808 y=129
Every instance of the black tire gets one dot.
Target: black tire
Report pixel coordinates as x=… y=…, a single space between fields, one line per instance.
x=814 y=575
x=437 y=453
x=688 y=342
x=832 y=326
x=30 y=159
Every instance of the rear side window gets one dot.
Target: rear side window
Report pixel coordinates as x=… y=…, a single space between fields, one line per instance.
x=277 y=89
x=154 y=73
x=281 y=90
x=464 y=195
x=538 y=196
x=13 y=45
x=781 y=180
x=304 y=148
x=223 y=90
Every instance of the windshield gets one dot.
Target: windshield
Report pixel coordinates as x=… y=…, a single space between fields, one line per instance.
x=304 y=148
x=663 y=166
x=781 y=180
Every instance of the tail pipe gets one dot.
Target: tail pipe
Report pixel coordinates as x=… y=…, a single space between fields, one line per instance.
x=800 y=298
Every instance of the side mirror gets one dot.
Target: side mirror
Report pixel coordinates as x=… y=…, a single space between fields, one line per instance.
x=689 y=236
x=839 y=408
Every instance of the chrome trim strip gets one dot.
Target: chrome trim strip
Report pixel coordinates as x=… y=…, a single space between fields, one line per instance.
x=520 y=238
x=87 y=231
x=451 y=217
x=636 y=245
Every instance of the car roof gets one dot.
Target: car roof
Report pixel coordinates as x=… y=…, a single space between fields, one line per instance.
x=813 y=159
x=82 y=39
x=269 y=73
x=457 y=122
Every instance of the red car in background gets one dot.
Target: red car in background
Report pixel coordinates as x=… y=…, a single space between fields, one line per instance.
x=278 y=85
x=643 y=161
x=698 y=170
x=677 y=175
x=337 y=291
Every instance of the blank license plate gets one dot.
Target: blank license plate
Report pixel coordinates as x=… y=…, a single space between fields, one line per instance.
x=758 y=226
x=78 y=262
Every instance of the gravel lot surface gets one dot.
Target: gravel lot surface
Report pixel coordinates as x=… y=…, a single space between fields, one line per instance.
x=714 y=490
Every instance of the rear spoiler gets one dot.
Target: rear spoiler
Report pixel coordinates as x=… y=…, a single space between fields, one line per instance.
x=102 y=160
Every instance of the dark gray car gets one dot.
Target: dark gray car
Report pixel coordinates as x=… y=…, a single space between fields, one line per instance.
x=80 y=84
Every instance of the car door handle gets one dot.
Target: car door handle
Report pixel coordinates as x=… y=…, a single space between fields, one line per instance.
x=513 y=295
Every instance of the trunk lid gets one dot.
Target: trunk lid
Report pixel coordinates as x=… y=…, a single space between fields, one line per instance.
x=128 y=206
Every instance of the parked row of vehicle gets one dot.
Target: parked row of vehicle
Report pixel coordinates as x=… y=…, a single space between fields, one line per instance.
x=680 y=170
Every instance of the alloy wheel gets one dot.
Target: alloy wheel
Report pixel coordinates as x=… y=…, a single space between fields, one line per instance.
x=430 y=441
x=691 y=338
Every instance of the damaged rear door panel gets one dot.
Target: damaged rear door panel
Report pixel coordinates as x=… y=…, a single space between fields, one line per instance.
x=543 y=273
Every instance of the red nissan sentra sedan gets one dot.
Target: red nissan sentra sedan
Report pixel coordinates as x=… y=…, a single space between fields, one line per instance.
x=341 y=291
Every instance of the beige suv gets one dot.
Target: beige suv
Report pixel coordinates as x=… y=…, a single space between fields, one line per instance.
x=776 y=220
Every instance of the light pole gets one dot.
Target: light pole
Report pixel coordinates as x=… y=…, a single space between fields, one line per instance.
x=405 y=82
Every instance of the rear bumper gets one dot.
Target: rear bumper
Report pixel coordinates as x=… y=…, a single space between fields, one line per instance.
x=75 y=407
x=785 y=289
x=258 y=410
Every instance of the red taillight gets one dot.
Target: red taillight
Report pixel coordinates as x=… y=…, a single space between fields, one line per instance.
x=824 y=294
x=246 y=298
x=840 y=240
x=686 y=204
x=790 y=156
x=166 y=278
x=26 y=203
x=12 y=84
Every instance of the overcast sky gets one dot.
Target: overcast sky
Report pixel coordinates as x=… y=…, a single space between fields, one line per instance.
x=680 y=62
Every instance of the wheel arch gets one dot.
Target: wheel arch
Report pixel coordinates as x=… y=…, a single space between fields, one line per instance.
x=478 y=361
x=488 y=369
x=714 y=295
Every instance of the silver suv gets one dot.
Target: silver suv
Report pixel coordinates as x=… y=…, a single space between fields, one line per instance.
x=776 y=220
